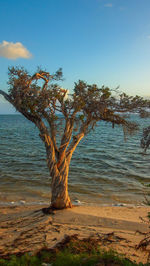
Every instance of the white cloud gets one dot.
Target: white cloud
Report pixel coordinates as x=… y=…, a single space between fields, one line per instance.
x=12 y=50
x=108 y=5
x=148 y=36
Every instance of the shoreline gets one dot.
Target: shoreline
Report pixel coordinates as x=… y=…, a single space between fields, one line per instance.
x=39 y=196
x=27 y=229
x=76 y=202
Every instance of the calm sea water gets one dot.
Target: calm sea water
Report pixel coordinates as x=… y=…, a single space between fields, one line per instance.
x=104 y=168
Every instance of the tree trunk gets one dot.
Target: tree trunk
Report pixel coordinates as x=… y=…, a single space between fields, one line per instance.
x=60 y=198
x=59 y=185
x=58 y=163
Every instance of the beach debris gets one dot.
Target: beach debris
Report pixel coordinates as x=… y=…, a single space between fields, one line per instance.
x=77 y=202
x=144 y=244
x=119 y=204
x=22 y=201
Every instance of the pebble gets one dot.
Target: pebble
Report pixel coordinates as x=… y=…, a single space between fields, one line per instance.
x=119 y=204
x=78 y=201
x=22 y=201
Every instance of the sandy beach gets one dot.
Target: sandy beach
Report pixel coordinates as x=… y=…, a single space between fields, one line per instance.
x=27 y=229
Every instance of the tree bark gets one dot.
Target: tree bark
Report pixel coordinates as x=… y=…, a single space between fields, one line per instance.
x=59 y=170
x=60 y=198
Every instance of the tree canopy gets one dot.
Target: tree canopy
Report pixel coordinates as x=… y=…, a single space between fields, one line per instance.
x=38 y=96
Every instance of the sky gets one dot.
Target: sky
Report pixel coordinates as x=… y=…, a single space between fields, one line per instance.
x=98 y=41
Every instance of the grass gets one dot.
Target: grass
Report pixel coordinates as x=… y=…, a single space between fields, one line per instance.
x=71 y=252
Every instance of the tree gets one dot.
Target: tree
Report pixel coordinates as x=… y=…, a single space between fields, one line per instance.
x=40 y=99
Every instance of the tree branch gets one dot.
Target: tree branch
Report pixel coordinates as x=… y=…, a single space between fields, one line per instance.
x=65 y=140
x=52 y=131
x=43 y=75
x=6 y=96
x=73 y=145
x=29 y=116
x=50 y=149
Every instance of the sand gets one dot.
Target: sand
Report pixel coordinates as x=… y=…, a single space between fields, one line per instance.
x=27 y=229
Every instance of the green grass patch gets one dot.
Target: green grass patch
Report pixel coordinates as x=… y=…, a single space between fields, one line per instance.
x=71 y=252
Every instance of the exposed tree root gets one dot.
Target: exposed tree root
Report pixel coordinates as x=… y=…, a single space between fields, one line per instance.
x=144 y=244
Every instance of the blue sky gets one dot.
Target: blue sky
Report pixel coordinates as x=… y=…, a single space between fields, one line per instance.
x=99 y=41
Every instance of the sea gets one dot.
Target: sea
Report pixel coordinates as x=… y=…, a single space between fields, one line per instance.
x=106 y=168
